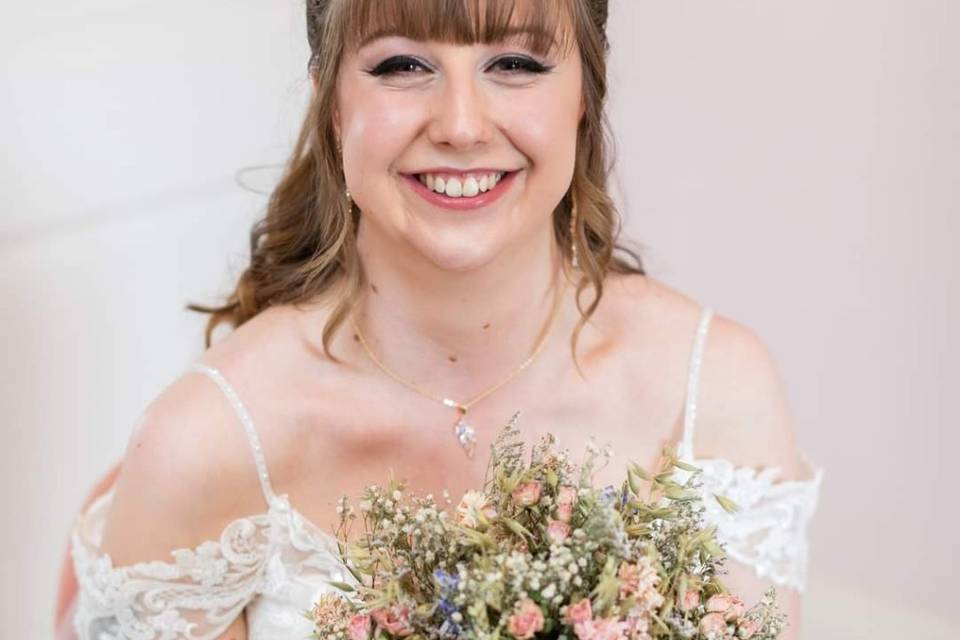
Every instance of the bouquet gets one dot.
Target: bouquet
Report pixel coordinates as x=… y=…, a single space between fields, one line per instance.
x=539 y=552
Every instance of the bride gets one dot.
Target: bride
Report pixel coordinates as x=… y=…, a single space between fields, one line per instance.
x=440 y=253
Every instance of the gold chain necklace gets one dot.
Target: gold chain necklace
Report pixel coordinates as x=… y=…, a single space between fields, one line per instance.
x=463 y=430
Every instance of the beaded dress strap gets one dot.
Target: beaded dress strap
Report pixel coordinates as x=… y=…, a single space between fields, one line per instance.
x=248 y=427
x=693 y=385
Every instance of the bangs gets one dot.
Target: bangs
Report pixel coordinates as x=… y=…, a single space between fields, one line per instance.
x=537 y=25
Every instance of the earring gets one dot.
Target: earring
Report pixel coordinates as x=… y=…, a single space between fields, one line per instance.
x=573 y=231
x=346 y=191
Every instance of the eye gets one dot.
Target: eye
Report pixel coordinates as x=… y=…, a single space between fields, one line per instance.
x=403 y=65
x=520 y=64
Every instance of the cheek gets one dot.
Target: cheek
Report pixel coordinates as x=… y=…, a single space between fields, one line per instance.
x=544 y=129
x=546 y=136
x=543 y=125
x=377 y=128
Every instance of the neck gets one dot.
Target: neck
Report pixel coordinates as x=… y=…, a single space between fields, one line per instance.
x=455 y=334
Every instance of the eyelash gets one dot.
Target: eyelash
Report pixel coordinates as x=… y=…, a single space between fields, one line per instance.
x=392 y=66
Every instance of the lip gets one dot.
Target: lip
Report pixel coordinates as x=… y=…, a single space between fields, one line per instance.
x=461 y=204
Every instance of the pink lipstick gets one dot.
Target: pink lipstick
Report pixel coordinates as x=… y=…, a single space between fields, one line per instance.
x=463 y=203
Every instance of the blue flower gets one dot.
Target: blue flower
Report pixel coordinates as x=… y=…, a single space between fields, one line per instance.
x=608 y=494
x=446 y=607
x=447 y=581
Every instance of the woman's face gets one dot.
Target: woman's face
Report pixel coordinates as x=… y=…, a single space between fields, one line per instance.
x=456 y=117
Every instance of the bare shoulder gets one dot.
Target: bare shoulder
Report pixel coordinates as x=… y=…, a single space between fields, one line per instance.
x=743 y=413
x=656 y=322
x=188 y=470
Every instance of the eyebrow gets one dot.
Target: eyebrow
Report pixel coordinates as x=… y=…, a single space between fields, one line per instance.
x=393 y=31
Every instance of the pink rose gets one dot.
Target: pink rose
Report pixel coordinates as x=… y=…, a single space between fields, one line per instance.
x=719 y=603
x=601 y=629
x=729 y=605
x=737 y=609
x=747 y=627
x=713 y=625
x=638 y=625
x=359 y=627
x=690 y=600
x=629 y=575
x=527 y=493
x=637 y=579
x=395 y=620
x=579 y=612
x=566 y=498
x=566 y=494
x=527 y=621
x=558 y=531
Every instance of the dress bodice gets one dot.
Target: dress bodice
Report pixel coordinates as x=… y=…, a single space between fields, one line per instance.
x=276 y=564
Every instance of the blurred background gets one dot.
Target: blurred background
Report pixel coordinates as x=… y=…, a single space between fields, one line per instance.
x=793 y=164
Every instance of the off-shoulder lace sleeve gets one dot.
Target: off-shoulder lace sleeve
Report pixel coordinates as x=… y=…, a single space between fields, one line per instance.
x=769 y=529
x=196 y=596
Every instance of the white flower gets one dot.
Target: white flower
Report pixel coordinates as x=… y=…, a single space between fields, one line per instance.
x=470 y=505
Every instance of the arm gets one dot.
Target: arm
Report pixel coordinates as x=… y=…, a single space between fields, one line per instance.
x=237 y=630
x=67 y=589
x=744 y=417
x=187 y=475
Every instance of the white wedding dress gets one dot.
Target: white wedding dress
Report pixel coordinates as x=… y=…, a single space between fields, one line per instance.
x=276 y=564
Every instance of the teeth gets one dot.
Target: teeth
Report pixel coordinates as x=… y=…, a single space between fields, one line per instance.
x=457 y=187
x=454 y=188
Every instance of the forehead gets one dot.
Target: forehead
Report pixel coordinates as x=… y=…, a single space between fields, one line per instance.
x=542 y=26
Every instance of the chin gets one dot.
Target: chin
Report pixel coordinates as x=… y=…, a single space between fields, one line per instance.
x=458 y=257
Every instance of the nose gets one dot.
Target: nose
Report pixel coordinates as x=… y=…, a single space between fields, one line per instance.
x=461 y=118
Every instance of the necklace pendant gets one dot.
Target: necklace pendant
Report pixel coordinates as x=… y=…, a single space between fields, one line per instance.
x=466 y=436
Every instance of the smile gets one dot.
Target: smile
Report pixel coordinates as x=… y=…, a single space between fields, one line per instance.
x=465 y=185
x=461 y=192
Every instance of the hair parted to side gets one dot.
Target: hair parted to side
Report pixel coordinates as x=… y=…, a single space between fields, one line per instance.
x=304 y=248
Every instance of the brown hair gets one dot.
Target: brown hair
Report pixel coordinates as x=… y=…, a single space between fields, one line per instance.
x=306 y=242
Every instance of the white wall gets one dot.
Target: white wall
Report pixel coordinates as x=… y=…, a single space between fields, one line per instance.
x=789 y=163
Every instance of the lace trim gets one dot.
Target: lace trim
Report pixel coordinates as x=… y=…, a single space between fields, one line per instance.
x=202 y=591
x=769 y=530
x=196 y=596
